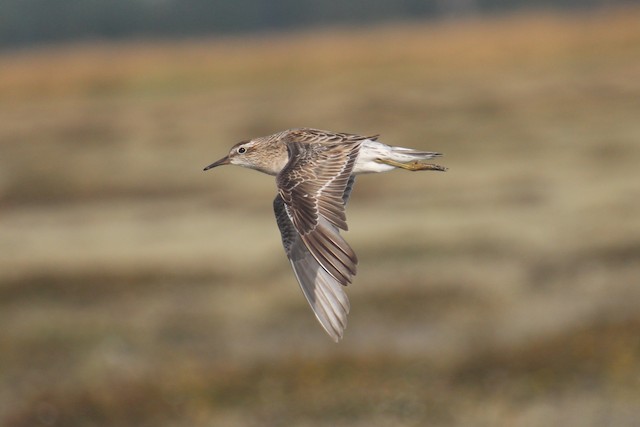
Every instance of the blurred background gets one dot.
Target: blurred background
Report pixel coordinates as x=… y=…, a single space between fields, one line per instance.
x=137 y=290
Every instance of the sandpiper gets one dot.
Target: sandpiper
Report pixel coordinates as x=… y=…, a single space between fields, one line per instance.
x=315 y=171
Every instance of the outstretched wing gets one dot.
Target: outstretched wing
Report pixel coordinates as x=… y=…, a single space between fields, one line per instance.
x=312 y=186
x=324 y=293
x=347 y=191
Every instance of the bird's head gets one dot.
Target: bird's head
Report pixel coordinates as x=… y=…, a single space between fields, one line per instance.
x=241 y=154
x=254 y=154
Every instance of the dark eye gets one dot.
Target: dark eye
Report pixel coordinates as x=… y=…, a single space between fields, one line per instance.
x=241 y=150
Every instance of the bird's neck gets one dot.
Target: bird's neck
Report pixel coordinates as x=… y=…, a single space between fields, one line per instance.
x=275 y=163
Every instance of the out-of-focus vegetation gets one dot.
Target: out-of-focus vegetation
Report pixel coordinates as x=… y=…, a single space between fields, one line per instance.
x=137 y=290
x=32 y=22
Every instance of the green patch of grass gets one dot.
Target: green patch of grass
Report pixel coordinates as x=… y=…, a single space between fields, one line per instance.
x=601 y=356
x=348 y=388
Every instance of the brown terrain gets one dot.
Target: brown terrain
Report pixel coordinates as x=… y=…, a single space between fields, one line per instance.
x=137 y=290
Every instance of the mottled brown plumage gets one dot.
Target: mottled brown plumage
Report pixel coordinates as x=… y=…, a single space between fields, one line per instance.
x=312 y=185
x=315 y=171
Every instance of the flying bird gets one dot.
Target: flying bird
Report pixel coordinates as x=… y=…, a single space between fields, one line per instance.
x=315 y=171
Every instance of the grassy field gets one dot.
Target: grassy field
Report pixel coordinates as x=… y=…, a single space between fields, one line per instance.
x=136 y=290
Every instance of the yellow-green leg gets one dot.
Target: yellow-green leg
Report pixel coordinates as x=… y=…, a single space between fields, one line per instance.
x=413 y=166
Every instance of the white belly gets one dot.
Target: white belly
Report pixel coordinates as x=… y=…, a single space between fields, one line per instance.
x=371 y=151
x=367 y=162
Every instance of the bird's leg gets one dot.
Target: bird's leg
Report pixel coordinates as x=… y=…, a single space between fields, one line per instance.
x=413 y=166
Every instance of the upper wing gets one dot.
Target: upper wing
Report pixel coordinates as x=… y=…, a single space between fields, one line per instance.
x=347 y=191
x=324 y=293
x=312 y=186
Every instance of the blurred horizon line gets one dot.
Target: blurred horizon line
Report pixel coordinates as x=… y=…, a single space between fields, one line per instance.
x=33 y=24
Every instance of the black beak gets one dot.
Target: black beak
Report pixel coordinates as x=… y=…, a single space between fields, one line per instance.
x=222 y=161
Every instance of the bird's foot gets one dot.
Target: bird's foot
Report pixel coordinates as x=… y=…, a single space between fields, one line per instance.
x=413 y=166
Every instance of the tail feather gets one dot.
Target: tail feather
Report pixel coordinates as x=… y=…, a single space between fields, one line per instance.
x=376 y=157
x=418 y=155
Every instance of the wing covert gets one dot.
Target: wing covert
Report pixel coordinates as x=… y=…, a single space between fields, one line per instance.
x=312 y=186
